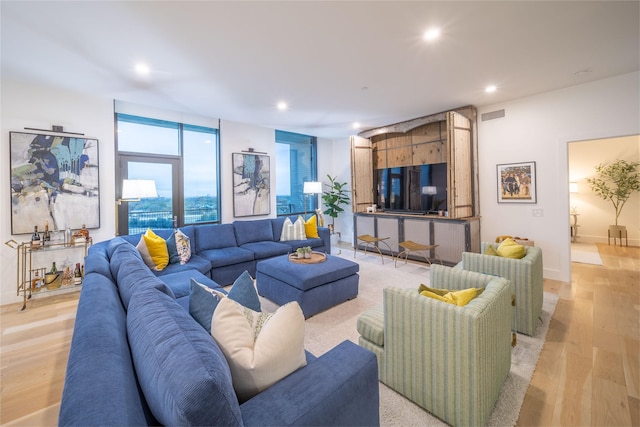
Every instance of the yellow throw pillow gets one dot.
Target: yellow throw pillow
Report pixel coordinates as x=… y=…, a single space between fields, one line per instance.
x=511 y=249
x=311 y=228
x=157 y=248
x=491 y=251
x=459 y=298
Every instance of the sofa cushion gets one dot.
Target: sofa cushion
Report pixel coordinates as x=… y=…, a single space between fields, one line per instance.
x=267 y=249
x=157 y=247
x=133 y=276
x=180 y=282
x=258 y=230
x=214 y=236
x=370 y=325
x=460 y=297
x=182 y=373
x=491 y=251
x=261 y=348
x=226 y=256
x=195 y=263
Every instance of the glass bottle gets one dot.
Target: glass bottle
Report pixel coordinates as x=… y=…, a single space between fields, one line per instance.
x=35 y=283
x=84 y=232
x=46 y=236
x=77 y=275
x=35 y=237
x=54 y=269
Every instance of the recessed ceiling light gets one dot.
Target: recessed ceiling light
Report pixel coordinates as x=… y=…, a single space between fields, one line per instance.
x=431 y=34
x=490 y=89
x=142 y=69
x=282 y=106
x=356 y=125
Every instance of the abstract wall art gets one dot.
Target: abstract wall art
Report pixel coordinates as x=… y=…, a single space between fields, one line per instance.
x=251 y=185
x=54 y=179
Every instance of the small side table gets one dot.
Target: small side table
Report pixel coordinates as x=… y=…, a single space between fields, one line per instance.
x=409 y=246
x=373 y=242
x=574 y=227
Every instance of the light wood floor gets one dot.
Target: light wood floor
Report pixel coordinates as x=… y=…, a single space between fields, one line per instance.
x=588 y=372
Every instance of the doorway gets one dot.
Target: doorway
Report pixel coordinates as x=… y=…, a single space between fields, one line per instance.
x=135 y=217
x=589 y=216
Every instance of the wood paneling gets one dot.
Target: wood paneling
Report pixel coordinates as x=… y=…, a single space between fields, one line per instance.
x=361 y=174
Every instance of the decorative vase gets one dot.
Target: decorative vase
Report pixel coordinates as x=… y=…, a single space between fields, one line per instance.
x=307 y=254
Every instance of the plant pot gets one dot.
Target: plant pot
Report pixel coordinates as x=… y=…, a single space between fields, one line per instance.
x=307 y=255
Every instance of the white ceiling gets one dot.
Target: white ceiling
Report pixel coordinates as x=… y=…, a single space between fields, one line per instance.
x=334 y=62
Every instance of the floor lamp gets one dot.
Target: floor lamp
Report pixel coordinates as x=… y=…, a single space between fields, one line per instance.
x=310 y=187
x=133 y=190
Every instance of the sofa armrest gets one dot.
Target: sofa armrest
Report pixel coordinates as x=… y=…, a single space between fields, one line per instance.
x=323 y=233
x=338 y=388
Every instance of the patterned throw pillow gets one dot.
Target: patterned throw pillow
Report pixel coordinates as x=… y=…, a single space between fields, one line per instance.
x=183 y=246
x=293 y=231
x=179 y=248
x=261 y=348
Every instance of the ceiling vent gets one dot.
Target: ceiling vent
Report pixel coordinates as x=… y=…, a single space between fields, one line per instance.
x=493 y=115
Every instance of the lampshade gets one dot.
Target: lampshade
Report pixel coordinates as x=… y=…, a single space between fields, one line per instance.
x=138 y=189
x=430 y=190
x=573 y=187
x=312 y=187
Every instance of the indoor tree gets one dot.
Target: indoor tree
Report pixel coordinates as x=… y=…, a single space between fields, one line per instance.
x=616 y=182
x=335 y=198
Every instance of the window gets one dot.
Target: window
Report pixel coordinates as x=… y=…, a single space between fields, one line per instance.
x=181 y=159
x=296 y=160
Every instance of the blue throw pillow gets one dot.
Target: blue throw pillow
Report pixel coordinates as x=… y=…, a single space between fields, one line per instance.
x=244 y=293
x=172 y=249
x=202 y=303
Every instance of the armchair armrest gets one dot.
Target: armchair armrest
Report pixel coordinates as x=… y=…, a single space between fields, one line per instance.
x=324 y=234
x=338 y=388
x=526 y=276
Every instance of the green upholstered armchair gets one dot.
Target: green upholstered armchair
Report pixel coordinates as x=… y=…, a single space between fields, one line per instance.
x=450 y=360
x=526 y=279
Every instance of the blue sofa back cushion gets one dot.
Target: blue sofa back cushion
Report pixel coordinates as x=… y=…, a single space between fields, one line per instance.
x=214 y=236
x=84 y=400
x=98 y=263
x=133 y=275
x=258 y=230
x=182 y=372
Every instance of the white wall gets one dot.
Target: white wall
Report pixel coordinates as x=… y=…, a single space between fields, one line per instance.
x=538 y=128
x=28 y=105
x=595 y=214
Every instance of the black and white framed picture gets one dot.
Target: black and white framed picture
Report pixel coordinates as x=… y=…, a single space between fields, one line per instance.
x=54 y=180
x=251 y=185
x=517 y=183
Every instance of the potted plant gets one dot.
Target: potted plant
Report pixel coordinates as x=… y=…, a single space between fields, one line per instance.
x=300 y=253
x=307 y=252
x=616 y=182
x=334 y=199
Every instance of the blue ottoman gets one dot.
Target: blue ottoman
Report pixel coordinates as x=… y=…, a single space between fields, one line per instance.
x=315 y=287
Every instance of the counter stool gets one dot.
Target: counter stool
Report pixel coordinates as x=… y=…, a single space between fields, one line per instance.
x=371 y=241
x=409 y=246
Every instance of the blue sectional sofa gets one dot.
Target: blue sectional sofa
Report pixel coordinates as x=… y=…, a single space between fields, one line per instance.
x=224 y=251
x=137 y=356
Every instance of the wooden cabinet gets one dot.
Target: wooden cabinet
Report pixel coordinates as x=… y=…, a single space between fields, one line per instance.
x=446 y=137
x=453 y=236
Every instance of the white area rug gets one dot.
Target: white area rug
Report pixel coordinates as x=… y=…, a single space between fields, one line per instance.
x=329 y=328
x=585 y=253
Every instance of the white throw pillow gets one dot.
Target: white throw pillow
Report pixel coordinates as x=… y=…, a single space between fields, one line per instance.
x=261 y=348
x=293 y=231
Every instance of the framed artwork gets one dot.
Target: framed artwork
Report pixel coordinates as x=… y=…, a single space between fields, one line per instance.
x=517 y=183
x=251 y=185
x=54 y=179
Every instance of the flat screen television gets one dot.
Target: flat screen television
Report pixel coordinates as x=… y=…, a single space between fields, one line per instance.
x=412 y=189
